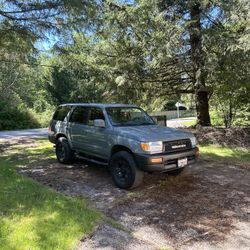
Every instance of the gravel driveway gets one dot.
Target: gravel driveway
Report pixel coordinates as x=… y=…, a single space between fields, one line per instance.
x=207 y=207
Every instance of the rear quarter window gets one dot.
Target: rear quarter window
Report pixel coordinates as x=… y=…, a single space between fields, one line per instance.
x=61 y=113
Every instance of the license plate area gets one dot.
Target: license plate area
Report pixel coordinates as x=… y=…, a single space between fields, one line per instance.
x=182 y=162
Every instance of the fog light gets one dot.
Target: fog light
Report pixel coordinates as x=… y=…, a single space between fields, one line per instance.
x=156 y=160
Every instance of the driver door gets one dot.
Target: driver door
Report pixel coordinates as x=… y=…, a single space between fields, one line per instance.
x=97 y=138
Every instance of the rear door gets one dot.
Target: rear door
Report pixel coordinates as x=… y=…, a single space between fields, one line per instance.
x=77 y=128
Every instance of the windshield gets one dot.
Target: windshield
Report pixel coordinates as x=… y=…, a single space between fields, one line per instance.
x=128 y=116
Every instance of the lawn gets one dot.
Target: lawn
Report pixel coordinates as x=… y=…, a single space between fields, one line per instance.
x=33 y=216
x=189 y=123
x=225 y=154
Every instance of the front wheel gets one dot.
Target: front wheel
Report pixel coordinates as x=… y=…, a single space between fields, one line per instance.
x=124 y=171
x=64 y=153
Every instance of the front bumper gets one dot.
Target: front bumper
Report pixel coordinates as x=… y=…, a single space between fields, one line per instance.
x=169 y=161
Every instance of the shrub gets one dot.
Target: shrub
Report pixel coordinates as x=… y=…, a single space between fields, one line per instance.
x=216 y=118
x=43 y=117
x=16 y=118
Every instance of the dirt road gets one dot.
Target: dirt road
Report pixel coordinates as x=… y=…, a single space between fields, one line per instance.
x=207 y=207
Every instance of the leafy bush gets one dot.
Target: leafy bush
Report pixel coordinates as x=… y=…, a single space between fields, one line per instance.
x=216 y=118
x=43 y=117
x=242 y=117
x=16 y=118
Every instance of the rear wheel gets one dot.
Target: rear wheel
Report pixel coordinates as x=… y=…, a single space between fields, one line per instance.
x=175 y=172
x=64 y=153
x=124 y=171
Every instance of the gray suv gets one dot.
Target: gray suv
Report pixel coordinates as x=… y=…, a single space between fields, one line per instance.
x=123 y=137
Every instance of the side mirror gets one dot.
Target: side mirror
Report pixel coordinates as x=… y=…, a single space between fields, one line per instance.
x=99 y=123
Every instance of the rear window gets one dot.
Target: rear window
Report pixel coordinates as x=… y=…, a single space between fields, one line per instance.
x=61 y=113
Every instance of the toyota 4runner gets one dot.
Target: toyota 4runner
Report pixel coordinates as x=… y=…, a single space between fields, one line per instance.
x=123 y=137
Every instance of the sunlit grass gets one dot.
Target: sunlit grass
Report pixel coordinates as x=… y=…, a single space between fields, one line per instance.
x=35 y=217
x=44 y=150
x=189 y=123
x=227 y=154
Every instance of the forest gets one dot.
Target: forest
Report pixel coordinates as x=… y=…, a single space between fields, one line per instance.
x=150 y=53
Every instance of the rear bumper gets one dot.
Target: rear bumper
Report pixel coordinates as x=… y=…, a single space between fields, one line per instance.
x=52 y=138
x=169 y=161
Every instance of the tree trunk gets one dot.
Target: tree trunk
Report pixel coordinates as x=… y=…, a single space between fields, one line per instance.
x=202 y=108
x=199 y=72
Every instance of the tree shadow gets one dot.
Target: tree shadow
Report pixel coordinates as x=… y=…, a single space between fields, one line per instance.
x=37 y=217
x=196 y=206
x=201 y=205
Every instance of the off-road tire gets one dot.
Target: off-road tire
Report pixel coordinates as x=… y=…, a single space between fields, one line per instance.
x=124 y=171
x=64 y=153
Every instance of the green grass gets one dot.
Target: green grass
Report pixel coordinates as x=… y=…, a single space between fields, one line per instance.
x=33 y=216
x=226 y=154
x=189 y=123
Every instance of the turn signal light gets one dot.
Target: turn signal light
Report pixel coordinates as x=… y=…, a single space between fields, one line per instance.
x=156 y=160
x=145 y=146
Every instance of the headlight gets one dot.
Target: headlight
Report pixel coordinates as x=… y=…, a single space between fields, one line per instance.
x=193 y=141
x=152 y=147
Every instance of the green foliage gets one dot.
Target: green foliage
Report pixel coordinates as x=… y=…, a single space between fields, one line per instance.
x=216 y=118
x=35 y=217
x=242 y=116
x=27 y=22
x=16 y=118
x=24 y=100
x=225 y=154
x=43 y=118
x=171 y=105
x=141 y=52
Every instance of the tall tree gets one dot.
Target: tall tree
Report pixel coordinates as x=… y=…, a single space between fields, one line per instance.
x=166 y=47
x=24 y=23
x=198 y=63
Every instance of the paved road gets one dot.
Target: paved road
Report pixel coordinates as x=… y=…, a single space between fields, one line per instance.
x=179 y=122
x=41 y=132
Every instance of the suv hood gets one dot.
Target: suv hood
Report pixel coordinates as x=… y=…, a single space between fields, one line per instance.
x=152 y=133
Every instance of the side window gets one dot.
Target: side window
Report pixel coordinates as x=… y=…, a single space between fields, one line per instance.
x=61 y=113
x=80 y=115
x=95 y=113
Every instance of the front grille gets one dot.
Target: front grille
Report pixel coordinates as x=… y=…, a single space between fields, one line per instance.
x=177 y=146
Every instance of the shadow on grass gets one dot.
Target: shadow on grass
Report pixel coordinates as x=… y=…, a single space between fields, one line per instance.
x=34 y=217
x=200 y=205
x=225 y=154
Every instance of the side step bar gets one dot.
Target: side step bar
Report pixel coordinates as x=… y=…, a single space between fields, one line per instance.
x=92 y=160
